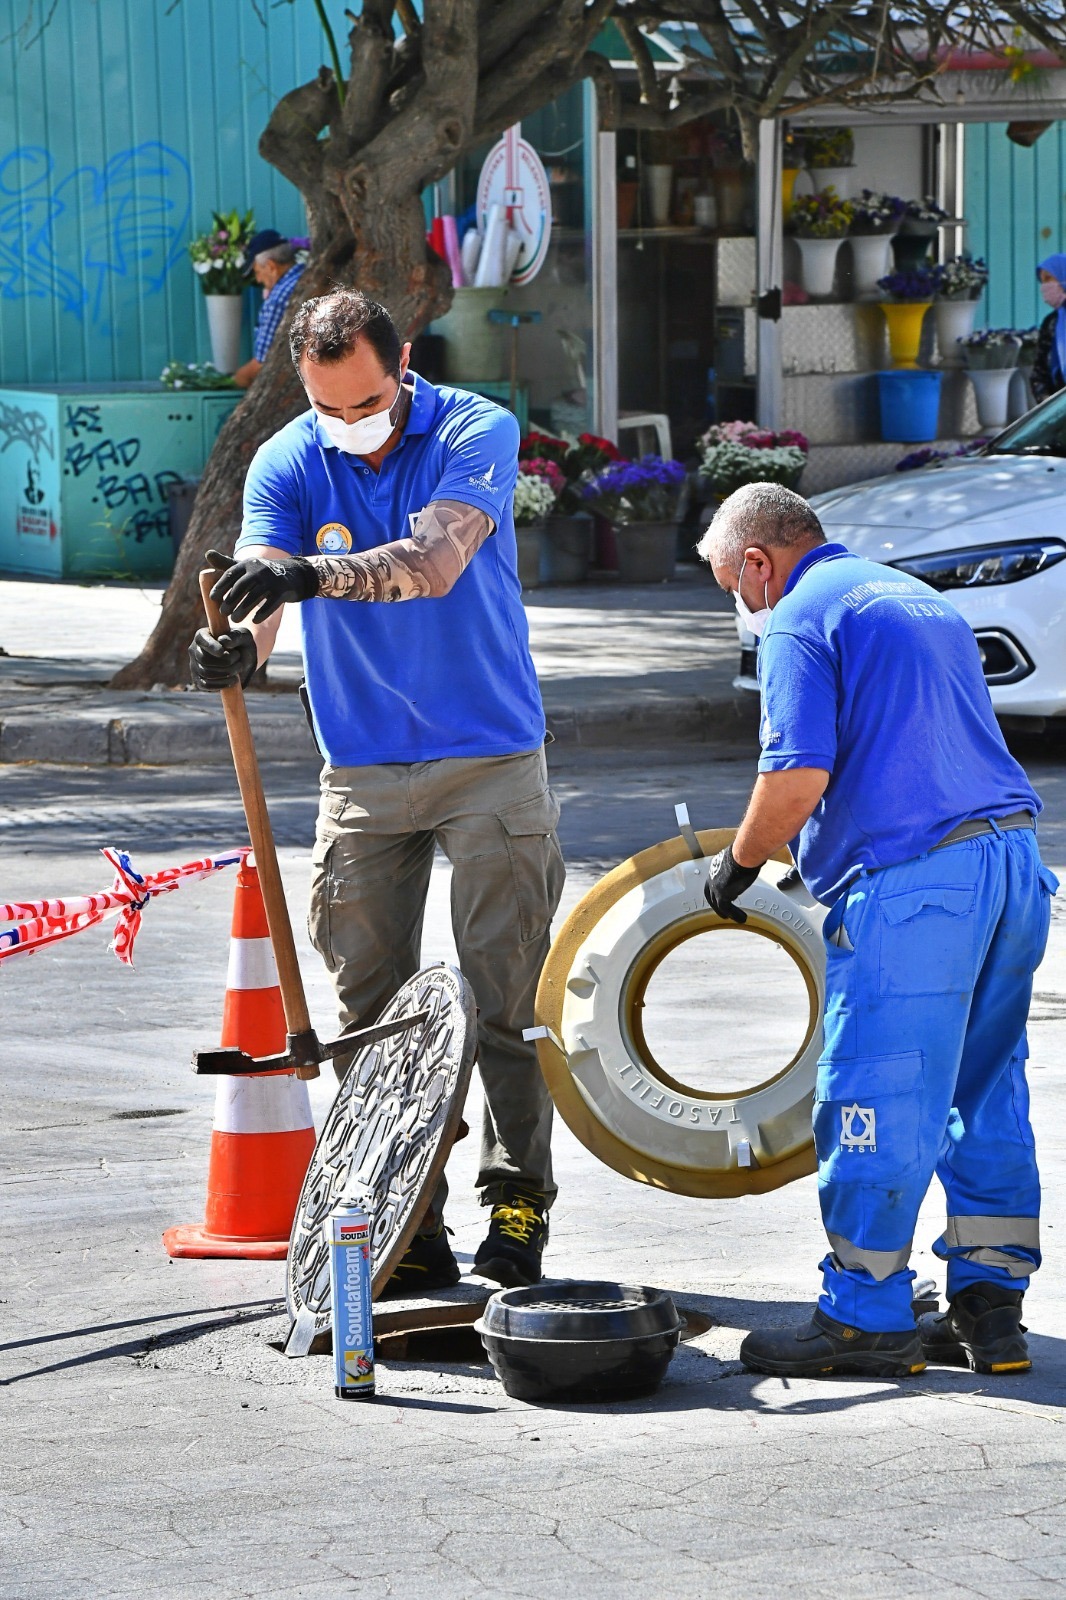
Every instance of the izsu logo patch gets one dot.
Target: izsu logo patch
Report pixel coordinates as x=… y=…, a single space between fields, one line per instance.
x=858 y=1128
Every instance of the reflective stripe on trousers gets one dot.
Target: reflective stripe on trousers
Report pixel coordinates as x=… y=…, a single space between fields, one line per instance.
x=928 y=985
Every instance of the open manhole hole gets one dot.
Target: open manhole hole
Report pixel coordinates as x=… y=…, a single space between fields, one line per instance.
x=445 y=1334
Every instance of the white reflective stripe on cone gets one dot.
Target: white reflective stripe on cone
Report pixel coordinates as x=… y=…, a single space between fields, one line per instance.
x=251 y=965
x=262 y=1105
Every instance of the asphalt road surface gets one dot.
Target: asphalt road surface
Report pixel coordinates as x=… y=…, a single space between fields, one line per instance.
x=155 y=1443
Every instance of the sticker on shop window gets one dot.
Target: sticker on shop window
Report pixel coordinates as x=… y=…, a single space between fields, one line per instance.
x=333 y=539
x=858 y=1128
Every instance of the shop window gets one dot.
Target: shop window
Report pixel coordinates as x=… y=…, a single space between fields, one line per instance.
x=553 y=369
x=686 y=278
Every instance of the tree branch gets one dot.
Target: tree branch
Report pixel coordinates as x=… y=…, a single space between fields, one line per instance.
x=290 y=139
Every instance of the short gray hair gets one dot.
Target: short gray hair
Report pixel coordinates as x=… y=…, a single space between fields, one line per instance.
x=765 y=514
x=282 y=253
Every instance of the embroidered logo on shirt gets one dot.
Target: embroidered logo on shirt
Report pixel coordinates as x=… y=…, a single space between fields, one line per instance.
x=484 y=480
x=768 y=734
x=858 y=1128
x=333 y=539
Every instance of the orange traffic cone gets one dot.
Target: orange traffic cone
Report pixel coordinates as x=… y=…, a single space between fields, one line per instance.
x=263 y=1134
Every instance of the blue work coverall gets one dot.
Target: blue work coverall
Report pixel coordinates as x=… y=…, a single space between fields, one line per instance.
x=872 y=676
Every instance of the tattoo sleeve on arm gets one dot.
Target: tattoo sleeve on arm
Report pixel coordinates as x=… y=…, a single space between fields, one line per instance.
x=425 y=566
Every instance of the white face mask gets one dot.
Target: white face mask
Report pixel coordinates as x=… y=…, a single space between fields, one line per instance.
x=1053 y=294
x=362 y=438
x=754 y=621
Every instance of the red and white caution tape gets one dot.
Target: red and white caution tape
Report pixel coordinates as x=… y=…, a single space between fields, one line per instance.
x=42 y=922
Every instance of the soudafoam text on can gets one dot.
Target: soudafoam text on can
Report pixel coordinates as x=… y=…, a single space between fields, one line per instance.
x=348 y=1233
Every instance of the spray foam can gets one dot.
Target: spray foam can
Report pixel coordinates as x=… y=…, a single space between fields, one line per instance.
x=348 y=1234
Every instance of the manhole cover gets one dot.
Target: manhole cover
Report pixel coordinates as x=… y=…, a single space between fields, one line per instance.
x=385 y=1141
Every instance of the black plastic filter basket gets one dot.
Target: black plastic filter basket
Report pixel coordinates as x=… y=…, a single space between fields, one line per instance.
x=570 y=1341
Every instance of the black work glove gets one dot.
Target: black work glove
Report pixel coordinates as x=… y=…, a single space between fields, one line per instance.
x=268 y=585
x=725 y=882
x=222 y=662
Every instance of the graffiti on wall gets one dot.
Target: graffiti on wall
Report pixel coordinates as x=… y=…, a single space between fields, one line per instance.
x=25 y=427
x=96 y=239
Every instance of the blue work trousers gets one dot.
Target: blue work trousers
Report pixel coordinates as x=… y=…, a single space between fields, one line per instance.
x=929 y=977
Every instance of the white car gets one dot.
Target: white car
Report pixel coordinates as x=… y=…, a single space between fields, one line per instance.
x=987 y=530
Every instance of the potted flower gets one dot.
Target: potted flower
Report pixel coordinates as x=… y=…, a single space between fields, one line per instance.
x=735 y=453
x=218 y=259
x=534 y=501
x=820 y=223
x=991 y=355
x=641 y=499
x=875 y=218
x=830 y=155
x=917 y=230
x=568 y=531
x=194 y=375
x=907 y=297
x=959 y=283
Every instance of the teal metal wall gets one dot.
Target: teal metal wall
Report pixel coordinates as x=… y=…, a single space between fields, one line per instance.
x=1015 y=203
x=123 y=124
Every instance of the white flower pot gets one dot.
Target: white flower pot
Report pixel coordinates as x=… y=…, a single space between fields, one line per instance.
x=819 y=262
x=870 y=254
x=658 y=186
x=954 y=321
x=1020 y=396
x=991 y=390
x=224 y=313
x=838 y=178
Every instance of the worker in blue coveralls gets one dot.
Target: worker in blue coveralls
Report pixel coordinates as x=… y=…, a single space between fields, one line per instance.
x=884 y=767
x=385 y=512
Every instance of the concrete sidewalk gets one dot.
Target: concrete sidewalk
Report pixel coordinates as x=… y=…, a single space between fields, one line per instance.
x=617 y=665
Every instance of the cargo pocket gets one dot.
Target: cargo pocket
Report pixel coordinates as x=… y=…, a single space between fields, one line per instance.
x=867 y=1117
x=327 y=832
x=537 y=869
x=927 y=945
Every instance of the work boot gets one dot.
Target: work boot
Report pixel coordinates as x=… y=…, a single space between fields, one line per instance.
x=823 y=1348
x=426 y=1264
x=518 y=1232
x=982 y=1329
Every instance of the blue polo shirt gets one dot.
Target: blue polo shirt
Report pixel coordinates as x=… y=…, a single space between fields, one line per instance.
x=421 y=679
x=876 y=678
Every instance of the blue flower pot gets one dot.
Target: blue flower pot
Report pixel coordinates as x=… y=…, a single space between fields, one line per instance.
x=910 y=405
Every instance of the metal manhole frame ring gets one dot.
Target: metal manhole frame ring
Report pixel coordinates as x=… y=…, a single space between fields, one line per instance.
x=559 y=970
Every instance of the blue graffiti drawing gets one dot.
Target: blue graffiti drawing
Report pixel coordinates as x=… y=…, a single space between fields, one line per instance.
x=25 y=427
x=98 y=239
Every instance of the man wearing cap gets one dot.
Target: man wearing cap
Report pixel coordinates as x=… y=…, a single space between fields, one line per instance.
x=385 y=513
x=271 y=261
x=884 y=767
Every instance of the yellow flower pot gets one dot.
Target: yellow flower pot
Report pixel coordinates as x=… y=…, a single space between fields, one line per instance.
x=905 y=318
x=788 y=187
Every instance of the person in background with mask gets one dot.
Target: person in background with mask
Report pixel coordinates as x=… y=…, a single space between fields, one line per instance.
x=884 y=768
x=385 y=513
x=1049 y=366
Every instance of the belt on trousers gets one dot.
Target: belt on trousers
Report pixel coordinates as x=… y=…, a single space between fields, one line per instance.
x=980 y=825
x=970 y=830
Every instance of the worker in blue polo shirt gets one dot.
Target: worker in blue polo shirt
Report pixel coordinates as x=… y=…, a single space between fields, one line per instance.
x=427 y=712
x=271 y=261
x=883 y=765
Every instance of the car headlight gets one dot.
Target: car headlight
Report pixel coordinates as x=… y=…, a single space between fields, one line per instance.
x=986 y=565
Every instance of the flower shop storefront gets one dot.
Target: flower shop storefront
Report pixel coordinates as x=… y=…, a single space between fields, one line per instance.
x=867 y=335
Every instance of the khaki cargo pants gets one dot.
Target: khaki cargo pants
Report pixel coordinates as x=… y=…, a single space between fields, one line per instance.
x=494 y=818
